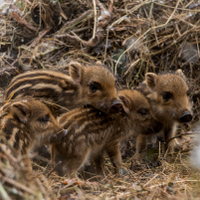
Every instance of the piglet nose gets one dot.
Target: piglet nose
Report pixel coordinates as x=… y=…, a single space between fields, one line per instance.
x=116 y=107
x=186 y=117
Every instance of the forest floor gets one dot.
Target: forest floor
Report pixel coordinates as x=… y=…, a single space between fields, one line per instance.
x=131 y=38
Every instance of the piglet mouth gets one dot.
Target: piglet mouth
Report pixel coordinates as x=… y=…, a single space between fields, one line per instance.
x=115 y=107
x=158 y=127
x=155 y=129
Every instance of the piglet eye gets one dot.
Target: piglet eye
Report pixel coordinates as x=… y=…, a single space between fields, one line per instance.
x=44 y=119
x=143 y=111
x=94 y=86
x=167 y=96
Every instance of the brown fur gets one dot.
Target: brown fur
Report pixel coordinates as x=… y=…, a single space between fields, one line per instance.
x=91 y=132
x=26 y=124
x=93 y=85
x=168 y=97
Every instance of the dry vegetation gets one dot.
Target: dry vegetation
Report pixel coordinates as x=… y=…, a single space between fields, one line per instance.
x=130 y=37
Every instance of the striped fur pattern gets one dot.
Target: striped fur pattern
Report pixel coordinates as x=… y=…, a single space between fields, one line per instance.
x=88 y=130
x=53 y=87
x=25 y=124
x=93 y=85
x=91 y=132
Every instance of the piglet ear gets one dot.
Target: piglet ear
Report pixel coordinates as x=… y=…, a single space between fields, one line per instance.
x=22 y=111
x=75 y=70
x=151 y=80
x=126 y=103
x=179 y=72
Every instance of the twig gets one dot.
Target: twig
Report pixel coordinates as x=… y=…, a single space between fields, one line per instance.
x=179 y=135
x=95 y=18
x=108 y=30
x=41 y=186
x=137 y=73
x=18 y=185
x=8 y=63
x=17 y=17
x=170 y=16
x=155 y=27
x=86 y=15
x=101 y=23
x=3 y=193
x=128 y=49
x=41 y=35
x=58 y=163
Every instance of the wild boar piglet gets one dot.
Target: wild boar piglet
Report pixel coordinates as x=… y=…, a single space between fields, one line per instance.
x=168 y=96
x=26 y=124
x=85 y=85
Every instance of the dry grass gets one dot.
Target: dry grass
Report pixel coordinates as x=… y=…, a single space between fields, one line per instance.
x=132 y=38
